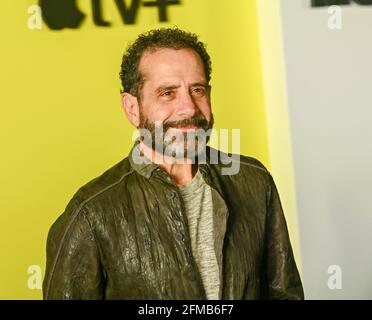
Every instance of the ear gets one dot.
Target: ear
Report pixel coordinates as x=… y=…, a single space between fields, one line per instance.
x=131 y=108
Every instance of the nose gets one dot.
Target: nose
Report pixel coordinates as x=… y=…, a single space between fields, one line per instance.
x=187 y=107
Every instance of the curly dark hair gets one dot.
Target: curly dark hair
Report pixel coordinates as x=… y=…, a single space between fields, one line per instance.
x=174 y=38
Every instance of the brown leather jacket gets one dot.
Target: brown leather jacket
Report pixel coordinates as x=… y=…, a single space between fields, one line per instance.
x=124 y=235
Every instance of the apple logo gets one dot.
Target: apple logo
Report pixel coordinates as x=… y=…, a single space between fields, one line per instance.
x=60 y=14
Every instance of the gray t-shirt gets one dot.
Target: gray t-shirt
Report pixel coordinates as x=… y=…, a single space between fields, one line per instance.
x=197 y=197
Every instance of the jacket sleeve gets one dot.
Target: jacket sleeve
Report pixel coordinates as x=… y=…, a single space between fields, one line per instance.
x=73 y=269
x=281 y=274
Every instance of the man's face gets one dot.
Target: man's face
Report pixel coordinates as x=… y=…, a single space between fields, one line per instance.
x=176 y=95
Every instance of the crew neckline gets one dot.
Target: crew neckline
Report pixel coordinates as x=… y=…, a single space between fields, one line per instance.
x=196 y=182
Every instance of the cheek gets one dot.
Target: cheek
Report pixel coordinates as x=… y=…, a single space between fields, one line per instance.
x=206 y=111
x=160 y=113
x=153 y=111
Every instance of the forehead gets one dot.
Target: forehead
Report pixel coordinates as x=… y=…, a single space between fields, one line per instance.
x=172 y=63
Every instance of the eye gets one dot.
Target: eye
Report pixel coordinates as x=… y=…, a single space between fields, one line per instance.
x=198 y=91
x=166 y=94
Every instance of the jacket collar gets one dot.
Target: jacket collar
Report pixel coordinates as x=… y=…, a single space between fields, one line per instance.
x=144 y=167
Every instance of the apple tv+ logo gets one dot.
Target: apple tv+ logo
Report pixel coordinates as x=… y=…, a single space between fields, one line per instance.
x=60 y=14
x=324 y=3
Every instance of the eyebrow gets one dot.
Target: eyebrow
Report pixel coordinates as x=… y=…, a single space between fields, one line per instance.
x=200 y=84
x=172 y=86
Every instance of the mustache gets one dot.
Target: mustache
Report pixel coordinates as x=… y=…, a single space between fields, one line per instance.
x=199 y=122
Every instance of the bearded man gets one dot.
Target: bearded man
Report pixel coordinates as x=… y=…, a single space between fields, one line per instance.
x=172 y=220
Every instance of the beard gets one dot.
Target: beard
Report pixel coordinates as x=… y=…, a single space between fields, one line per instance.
x=162 y=138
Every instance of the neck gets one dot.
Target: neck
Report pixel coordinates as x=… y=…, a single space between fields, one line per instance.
x=182 y=170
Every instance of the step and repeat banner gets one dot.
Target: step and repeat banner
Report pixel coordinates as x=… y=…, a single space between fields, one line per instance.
x=61 y=117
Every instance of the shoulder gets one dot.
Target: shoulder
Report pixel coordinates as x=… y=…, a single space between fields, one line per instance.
x=104 y=183
x=100 y=186
x=238 y=164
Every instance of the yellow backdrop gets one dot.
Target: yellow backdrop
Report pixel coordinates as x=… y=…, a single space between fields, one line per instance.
x=61 y=119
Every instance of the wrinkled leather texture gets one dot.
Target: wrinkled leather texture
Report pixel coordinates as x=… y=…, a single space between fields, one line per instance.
x=124 y=236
